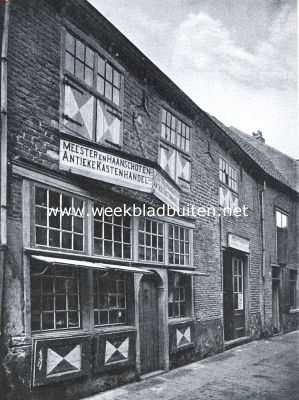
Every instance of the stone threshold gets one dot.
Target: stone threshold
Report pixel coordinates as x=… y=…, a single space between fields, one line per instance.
x=152 y=374
x=236 y=342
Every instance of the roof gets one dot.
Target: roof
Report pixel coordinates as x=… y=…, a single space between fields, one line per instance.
x=282 y=168
x=127 y=51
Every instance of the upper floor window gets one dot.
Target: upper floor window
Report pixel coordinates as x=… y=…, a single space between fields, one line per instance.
x=173 y=156
x=175 y=131
x=58 y=220
x=151 y=240
x=92 y=101
x=228 y=175
x=112 y=236
x=55 y=300
x=281 y=236
x=178 y=245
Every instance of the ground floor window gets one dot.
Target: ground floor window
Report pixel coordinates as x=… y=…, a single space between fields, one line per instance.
x=179 y=295
x=293 y=288
x=55 y=298
x=110 y=298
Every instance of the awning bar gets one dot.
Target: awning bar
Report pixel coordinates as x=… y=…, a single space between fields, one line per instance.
x=89 y=264
x=188 y=272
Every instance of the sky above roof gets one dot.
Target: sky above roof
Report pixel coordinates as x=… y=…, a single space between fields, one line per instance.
x=236 y=59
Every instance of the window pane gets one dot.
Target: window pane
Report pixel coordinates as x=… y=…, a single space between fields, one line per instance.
x=70 y=43
x=41 y=216
x=80 y=50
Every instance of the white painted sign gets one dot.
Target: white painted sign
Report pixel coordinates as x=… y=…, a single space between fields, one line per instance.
x=107 y=167
x=165 y=191
x=238 y=243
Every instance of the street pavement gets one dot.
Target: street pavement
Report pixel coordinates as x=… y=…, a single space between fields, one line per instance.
x=261 y=370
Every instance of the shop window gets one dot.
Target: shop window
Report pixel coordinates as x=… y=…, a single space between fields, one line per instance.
x=59 y=220
x=112 y=236
x=178 y=245
x=293 y=288
x=179 y=295
x=238 y=287
x=281 y=236
x=151 y=240
x=110 y=299
x=228 y=175
x=55 y=298
x=173 y=153
x=92 y=100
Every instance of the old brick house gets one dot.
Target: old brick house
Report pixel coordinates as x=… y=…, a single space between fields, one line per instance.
x=91 y=301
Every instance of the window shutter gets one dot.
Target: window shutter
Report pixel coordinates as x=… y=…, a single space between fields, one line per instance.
x=78 y=111
x=183 y=167
x=167 y=160
x=108 y=124
x=285 y=291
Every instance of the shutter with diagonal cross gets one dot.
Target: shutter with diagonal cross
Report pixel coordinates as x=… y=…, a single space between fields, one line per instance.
x=78 y=111
x=183 y=167
x=108 y=124
x=167 y=160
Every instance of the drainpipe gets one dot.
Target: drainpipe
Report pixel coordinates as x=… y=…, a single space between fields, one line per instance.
x=263 y=271
x=3 y=165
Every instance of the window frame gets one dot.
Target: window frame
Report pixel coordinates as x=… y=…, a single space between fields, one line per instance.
x=93 y=219
x=293 y=284
x=238 y=290
x=283 y=213
x=67 y=78
x=116 y=294
x=187 y=299
x=232 y=182
x=157 y=235
x=60 y=230
x=54 y=310
x=178 y=121
x=184 y=254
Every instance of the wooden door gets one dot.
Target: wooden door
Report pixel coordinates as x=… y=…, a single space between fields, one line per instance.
x=233 y=297
x=149 y=325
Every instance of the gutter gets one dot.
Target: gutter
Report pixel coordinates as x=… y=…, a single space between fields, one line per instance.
x=3 y=154
x=263 y=270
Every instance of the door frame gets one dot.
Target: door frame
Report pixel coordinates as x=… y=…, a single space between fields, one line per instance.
x=162 y=289
x=231 y=253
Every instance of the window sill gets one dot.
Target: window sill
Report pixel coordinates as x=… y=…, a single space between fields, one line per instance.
x=80 y=332
x=178 y=321
x=294 y=311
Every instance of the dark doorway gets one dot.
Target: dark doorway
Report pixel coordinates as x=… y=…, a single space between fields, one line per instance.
x=276 y=299
x=233 y=296
x=149 y=324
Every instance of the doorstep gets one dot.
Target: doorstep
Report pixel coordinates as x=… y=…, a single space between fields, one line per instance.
x=152 y=374
x=236 y=342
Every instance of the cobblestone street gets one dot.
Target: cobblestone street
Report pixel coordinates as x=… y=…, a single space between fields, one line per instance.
x=260 y=370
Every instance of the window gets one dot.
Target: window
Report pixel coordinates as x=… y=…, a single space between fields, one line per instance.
x=293 y=288
x=281 y=236
x=238 y=289
x=55 y=301
x=178 y=245
x=173 y=158
x=112 y=236
x=179 y=295
x=151 y=240
x=110 y=300
x=58 y=220
x=228 y=175
x=175 y=131
x=92 y=100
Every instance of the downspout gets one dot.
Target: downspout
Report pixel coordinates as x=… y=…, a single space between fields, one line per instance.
x=263 y=269
x=3 y=149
